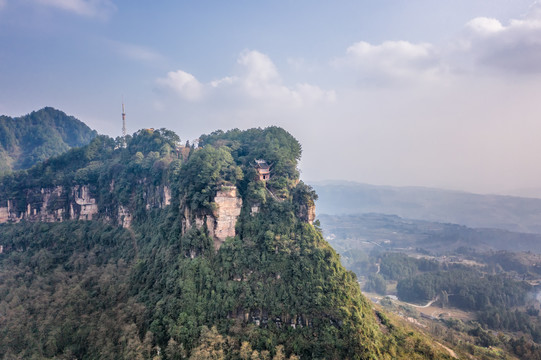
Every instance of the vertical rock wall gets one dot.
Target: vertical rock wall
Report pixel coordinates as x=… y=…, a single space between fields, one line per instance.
x=4 y=214
x=48 y=208
x=124 y=216
x=87 y=206
x=226 y=214
x=221 y=223
x=77 y=203
x=307 y=213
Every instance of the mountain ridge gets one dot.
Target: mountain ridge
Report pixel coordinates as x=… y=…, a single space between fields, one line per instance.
x=31 y=138
x=174 y=287
x=505 y=212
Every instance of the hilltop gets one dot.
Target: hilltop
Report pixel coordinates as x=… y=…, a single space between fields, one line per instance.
x=158 y=250
x=29 y=139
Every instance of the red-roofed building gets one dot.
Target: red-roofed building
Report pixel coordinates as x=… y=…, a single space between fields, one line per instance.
x=263 y=170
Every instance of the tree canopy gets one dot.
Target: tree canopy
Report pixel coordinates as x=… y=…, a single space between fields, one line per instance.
x=29 y=139
x=160 y=290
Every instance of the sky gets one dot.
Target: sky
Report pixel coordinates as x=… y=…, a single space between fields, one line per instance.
x=436 y=93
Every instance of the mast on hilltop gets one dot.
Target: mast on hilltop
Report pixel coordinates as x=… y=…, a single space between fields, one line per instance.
x=123 y=125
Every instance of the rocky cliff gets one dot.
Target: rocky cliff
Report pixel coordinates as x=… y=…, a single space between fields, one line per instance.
x=307 y=213
x=75 y=203
x=46 y=205
x=78 y=203
x=221 y=222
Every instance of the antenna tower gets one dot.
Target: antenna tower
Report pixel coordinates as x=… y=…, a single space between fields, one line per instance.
x=123 y=125
x=123 y=121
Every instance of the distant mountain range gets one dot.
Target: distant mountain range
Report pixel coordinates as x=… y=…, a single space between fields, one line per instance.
x=48 y=132
x=473 y=210
x=394 y=233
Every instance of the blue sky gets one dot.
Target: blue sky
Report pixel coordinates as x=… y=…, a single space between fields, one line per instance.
x=419 y=92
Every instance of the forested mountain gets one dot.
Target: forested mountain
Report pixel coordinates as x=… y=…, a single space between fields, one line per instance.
x=48 y=132
x=187 y=255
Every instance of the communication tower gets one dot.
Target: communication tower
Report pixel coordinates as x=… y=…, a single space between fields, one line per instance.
x=123 y=121
x=123 y=125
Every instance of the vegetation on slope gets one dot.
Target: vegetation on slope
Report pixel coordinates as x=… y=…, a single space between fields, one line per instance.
x=115 y=175
x=64 y=291
x=275 y=290
x=476 y=306
x=29 y=139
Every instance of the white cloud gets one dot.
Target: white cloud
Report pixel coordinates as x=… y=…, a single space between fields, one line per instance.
x=258 y=67
x=257 y=79
x=89 y=8
x=260 y=80
x=390 y=60
x=228 y=80
x=483 y=46
x=515 y=47
x=484 y=26
x=185 y=85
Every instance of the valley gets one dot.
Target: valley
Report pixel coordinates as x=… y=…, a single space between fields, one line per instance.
x=480 y=285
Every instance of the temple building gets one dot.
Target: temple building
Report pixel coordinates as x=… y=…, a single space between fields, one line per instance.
x=263 y=169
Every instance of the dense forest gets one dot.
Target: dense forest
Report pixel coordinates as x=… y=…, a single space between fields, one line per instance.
x=492 y=291
x=160 y=289
x=464 y=288
x=29 y=139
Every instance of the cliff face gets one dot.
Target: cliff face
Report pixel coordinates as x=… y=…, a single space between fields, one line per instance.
x=307 y=213
x=87 y=206
x=78 y=203
x=221 y=223
x=39 y=205
x=228 y=210
x=75 y=203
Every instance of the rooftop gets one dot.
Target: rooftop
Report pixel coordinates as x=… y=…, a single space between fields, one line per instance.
x=262 y=164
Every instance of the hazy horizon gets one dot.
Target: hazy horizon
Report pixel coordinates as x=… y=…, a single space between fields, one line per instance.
x=526 y=192
x=423 y=93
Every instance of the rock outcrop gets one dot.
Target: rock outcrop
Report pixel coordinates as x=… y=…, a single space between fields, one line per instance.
x=125 y=217
x=307 y=213
x=254 y=209
x=221 y=223
x=86 y=206
x=76 y=203
x=228 y=210
x=157 y=196
x=44 y=205
x=4 y=214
